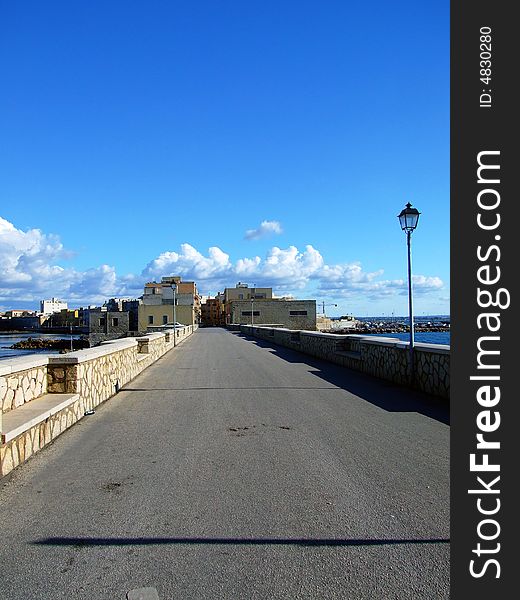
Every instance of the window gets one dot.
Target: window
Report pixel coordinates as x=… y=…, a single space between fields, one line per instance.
x=247 y=313
x=150 y=320
x=102 y=322
x=115 y=321
x=297 y=313
x=165 y=319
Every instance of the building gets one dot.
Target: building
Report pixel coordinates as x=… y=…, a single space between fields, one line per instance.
x=243 y=292
x=187 y=295
x=48 y=307
x=168 y=301
x=67 y=317
x=292 y=314
x=247 y=305
x=98 y=323
x=323 y=323
x=103 y=324
x=213 y=312
x=14 y=313
x=129 y=306
x=21 y=320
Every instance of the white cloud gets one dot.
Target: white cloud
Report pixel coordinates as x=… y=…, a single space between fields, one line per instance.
x=346 y=275
x=95 y=284
x=190 y=264
x=423 y=285
x=27 y=259
x=291 y=265
x=30 y=270
x=266 y=228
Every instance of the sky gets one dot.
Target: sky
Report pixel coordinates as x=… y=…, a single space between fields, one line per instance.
x=268 y=142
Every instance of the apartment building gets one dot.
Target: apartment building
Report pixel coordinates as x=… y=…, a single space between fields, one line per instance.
x=53 y=305
x=167 y=301
x=213 y=312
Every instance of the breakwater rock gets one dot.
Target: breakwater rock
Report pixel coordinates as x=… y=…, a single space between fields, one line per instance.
x=61 y=345
x=385 y=329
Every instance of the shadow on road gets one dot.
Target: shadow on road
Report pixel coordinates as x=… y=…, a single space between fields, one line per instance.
x=150 y=541
x=384 y=394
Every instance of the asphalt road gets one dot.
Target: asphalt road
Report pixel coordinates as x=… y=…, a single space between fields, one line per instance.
x=231 y=470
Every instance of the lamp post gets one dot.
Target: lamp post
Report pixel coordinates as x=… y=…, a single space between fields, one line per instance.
x=174 y=317
x=252 y=297
x=408 y=218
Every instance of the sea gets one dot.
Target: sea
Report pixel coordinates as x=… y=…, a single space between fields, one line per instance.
x=426 y=337
x=8 y=339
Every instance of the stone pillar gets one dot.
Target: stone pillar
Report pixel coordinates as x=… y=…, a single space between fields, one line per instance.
x=62 y=378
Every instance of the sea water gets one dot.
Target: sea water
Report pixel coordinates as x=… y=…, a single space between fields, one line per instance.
x=8 y=339
x=425 y=337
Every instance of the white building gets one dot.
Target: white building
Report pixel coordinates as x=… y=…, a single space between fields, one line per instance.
x=47 y=307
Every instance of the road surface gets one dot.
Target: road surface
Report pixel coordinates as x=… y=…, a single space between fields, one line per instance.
x=234 y=470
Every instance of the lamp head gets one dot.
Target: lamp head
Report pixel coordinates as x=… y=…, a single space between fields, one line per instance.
x=408 y=218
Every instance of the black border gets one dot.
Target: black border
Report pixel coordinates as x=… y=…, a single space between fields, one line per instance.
x=475 y=129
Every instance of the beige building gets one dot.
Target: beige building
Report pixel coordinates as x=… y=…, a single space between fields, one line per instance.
x=293 y=314
x=170 y=300
x=213 y=314
x=243 y=292
x=323 y=323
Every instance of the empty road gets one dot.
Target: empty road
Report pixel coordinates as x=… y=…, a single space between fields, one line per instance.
x=232 y=470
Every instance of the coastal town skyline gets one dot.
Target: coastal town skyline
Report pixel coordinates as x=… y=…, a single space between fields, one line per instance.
x=269 y=144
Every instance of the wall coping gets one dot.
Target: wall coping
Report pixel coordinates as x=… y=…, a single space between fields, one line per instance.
x=365 y=339
x=24 y=363
x=21 y=419
x=151 y=336
x=437 y=348
x=81 y=356
x=333 y=336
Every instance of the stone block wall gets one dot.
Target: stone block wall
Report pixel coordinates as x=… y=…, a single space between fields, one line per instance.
x=386 y=358
x=26 y=381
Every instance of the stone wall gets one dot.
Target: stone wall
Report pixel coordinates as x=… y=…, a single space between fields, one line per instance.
x=27 y=380
x=17 y=451
x=93 y=375
x=386 y=358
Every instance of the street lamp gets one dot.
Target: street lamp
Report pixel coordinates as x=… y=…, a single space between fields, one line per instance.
x=252 y=296
x=408 y=218
x=174 y=318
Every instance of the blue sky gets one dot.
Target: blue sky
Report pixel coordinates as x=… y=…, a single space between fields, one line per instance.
x=272 y=143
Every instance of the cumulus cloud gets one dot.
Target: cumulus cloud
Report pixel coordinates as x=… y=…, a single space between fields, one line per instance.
x=97 y=284
x=27 y=260
x=31 y=268
x=190 y=264
x=266 y=228
x=291 y=265
x=423 y=285
x=346 y=275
